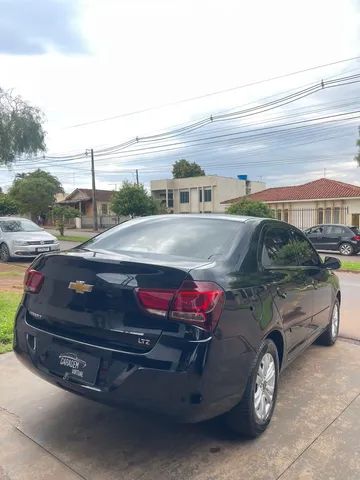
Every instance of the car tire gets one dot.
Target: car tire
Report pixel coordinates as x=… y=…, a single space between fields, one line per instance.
x=346 y=249
x=329 y=336
x=4 y=253
x=252 y=415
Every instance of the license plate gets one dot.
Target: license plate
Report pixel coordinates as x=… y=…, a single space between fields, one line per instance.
x=73 y=364
x=43 y=249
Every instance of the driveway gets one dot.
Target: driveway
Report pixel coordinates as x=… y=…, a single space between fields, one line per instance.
x=47 y=433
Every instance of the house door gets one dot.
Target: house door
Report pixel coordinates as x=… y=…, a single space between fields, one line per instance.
x=355 y=220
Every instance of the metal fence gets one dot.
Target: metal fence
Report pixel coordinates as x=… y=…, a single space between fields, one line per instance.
x=104 y=221
x=307 y=217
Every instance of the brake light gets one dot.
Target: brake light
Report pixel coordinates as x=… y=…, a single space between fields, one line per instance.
x=33 y=281
x=356 y=238
x=198 y=303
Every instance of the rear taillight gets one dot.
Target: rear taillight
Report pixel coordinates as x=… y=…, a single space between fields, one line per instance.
x=33 y=281
x=198 y=303
x=356 y=238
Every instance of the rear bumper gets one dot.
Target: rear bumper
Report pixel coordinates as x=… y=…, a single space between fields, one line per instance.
x=189 y=384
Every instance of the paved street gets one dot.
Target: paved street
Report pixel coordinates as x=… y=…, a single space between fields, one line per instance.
x=47 y=433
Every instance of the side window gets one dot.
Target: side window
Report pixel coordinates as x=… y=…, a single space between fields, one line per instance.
x=278 y=248
x=305 y=252
x=334 y=230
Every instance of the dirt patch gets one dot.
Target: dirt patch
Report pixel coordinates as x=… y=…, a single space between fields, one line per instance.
x=11 y=276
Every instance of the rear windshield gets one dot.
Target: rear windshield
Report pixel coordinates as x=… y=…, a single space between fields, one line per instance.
x=193 y=238
x=356 y=230
x=18 y=226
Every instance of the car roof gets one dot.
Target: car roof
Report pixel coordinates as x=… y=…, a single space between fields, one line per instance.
x=15 y=218
x=212 y=216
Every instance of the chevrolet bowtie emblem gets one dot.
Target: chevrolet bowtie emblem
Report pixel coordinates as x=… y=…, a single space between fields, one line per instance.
x=80 y=287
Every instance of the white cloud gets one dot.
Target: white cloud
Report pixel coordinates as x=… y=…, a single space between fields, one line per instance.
x=144 y=54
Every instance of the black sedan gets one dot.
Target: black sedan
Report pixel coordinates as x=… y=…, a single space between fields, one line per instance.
x=340 y=238
x=192 y=316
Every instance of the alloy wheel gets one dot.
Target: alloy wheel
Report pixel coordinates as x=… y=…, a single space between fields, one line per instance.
x=335 y=321
x=346 y=249
x=265 y=387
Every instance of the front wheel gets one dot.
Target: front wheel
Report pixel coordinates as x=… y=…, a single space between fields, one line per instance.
x=346 y=249
x=4 y=253
x=253 y=414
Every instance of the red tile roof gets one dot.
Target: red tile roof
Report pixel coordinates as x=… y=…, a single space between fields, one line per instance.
x=318 y=189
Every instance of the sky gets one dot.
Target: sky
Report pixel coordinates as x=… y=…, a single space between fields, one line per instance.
x=107 y=72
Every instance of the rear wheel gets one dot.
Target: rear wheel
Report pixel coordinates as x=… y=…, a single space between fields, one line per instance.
x=346 y=249
x=329 y=336
x=4 y=253
x=253 y=414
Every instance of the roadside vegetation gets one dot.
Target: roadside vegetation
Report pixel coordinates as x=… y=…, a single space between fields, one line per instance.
x=72 y=238
x=9 y=302
x=350 y=266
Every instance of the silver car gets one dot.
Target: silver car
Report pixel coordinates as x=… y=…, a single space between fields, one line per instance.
x=20 y=237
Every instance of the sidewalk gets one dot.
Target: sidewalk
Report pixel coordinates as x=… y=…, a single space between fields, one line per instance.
x=76 y=232
x=47 y=433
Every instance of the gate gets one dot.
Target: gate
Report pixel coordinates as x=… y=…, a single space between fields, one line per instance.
x=307 y=217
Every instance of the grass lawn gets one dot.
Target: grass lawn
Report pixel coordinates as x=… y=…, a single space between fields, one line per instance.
x=351 y=266
x=9 y=302
x=72 y=238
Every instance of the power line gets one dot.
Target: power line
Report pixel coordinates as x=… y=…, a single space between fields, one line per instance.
x=218 y=92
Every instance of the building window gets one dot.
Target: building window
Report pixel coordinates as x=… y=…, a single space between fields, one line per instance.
x=278 y=214
x=286 y=215
x=207 y=195
x=200 y=195
x=336 y=215
x=170 y=199
x=320 y=215
x=184 y=197
x=273 y=213
x=328 y=215
x=104 y=209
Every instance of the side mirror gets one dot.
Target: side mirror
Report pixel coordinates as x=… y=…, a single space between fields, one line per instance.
x=331 y=263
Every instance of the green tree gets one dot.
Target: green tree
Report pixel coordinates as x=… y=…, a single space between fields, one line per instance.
x=357 y=157
x=35 y=192
x=250 y=208
x=134 y=201
x=7 y=205
x=21 y=130
x=183 y=169
x=62 y=213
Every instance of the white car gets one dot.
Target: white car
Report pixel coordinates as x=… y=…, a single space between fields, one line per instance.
x=20 y=237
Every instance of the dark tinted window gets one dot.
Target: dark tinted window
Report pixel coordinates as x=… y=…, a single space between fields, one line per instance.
x=185 y=237
x=335 y=230
x=306 y=255
x=355 y=230
x=278 y=248
x=314 y=230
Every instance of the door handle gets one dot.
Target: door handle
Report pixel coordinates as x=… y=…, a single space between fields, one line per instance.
x=281 y=293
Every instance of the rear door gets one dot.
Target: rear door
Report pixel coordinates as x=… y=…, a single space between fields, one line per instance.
x=292 y=289
x=332 y=236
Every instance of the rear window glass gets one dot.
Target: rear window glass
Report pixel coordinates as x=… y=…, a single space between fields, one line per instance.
x=194 y=238
x=356 y=230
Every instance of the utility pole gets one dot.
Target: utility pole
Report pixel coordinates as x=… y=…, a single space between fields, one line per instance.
x=137 y=177
x=95 y=217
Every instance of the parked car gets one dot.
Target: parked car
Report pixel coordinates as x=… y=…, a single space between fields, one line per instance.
x=340 y=238
x=192 y=316
x=20 y=237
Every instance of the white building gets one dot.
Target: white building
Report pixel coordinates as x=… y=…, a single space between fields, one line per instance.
x=201 y=194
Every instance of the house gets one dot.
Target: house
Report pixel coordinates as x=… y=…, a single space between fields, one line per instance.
x=81 y=199
x=203 y=194
x=320 y=201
